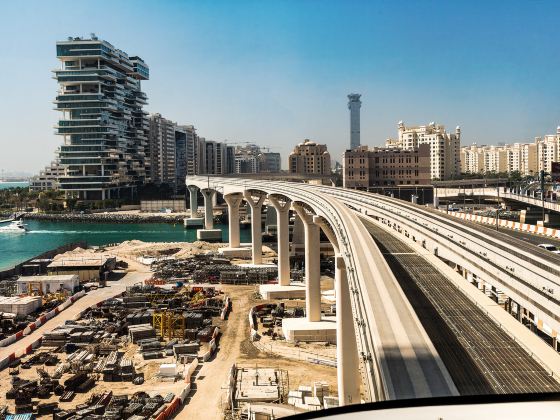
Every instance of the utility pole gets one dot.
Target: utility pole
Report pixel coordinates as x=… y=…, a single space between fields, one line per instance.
x=498 y=208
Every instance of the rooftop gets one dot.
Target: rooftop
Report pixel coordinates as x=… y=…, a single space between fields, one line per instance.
x=81 y=262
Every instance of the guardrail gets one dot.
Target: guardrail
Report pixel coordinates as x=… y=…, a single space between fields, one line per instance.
x=509 y=224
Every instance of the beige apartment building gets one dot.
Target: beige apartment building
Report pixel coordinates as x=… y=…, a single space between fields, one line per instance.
x=445 y=160
x=365 y=167
x=310 y=158
x=526 y=158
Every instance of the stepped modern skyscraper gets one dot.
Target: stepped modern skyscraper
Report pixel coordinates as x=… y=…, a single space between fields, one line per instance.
x=354 y=105
x=103 y=124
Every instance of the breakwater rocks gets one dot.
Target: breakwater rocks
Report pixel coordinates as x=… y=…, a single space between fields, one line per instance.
x=105 y=218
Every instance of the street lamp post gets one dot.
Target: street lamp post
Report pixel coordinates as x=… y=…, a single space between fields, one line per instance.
x=542 y=195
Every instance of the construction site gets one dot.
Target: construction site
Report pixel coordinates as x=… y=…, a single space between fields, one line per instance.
x=148 y=352
x=109 y=361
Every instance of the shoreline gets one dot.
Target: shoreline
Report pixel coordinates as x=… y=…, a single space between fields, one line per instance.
x=114 y=217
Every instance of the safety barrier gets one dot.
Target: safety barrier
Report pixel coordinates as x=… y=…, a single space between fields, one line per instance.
x=41 y=320
x=28 y=350
x=176 y=404
x=227 y=307
x=191 y=367
x=522 y=227
x=212 y=344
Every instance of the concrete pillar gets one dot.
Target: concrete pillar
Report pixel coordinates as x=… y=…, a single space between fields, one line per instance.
x=208 y=195
x=347 y=365
x=193 y=200
x=233 y=201
x=256 y=224
x=271 y=219
x=312 y=265
x=298 y=233
x=282 y=223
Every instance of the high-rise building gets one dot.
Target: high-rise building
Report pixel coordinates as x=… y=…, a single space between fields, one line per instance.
x=526 y=158
x=548 y=150
x=472 y=159
x=445 y=159
x=250 y=159
x=191 y=150
x=310 y=158
x=185 y=159
x=161 y=150
x=269 y=162
x=215 y=158
x=365 y=167
x=103 y=126
x=354 y=105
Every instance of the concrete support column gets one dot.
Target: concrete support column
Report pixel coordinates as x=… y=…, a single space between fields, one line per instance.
x=193 y=200
x=312 y=264
x=283 y=234
x=256 y=224
x=233 y=201
x=208 y=195
x=347 y=365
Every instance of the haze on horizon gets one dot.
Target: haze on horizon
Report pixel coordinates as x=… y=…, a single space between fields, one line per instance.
x=277 y=72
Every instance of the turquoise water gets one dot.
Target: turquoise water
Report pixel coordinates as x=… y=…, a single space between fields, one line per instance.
x=43 y=236
x=6 y=185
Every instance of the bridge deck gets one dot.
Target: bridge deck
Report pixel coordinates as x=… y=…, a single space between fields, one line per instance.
x=478 y=354
x=398 y=357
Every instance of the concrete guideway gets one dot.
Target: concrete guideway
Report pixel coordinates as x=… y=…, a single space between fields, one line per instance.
x=526 y=274
x=92 y=298
x=397 y=357
x=504 y=193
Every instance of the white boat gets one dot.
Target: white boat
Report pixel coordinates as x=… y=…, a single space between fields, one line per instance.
x=16 y=226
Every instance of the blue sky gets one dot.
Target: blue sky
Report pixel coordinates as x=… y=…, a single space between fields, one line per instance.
x=276 y=72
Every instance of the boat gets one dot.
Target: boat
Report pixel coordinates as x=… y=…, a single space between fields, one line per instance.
x=16 y=226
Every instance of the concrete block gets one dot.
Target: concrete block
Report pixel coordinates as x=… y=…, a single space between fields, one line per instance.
x=275 y=291
x=193 y=222
x=209 y=235
x=240 y=252
x=300 y=329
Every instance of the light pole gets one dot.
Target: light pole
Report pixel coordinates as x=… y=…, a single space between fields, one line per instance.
x=542 y=194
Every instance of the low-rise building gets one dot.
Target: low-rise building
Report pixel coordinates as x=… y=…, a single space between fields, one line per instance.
x=91 y=268
x=366 y=168
x=47 y=178
x=48 y=284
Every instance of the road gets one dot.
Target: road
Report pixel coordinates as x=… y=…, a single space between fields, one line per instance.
x=90 y=299
x=206 y=399
x=480 y=355
x=530 y=238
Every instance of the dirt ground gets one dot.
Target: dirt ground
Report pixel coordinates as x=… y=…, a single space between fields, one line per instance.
x=208 y=396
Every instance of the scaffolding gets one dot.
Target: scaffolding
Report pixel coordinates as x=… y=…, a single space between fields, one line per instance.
x=169 y=324
x=35 y=288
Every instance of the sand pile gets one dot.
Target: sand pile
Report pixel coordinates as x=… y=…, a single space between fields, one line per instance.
x=137 y=248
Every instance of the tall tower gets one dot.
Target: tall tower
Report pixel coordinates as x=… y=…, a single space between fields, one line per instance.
x=354 y=105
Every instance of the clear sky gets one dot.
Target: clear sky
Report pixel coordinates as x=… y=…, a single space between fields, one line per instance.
x=276 y=72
